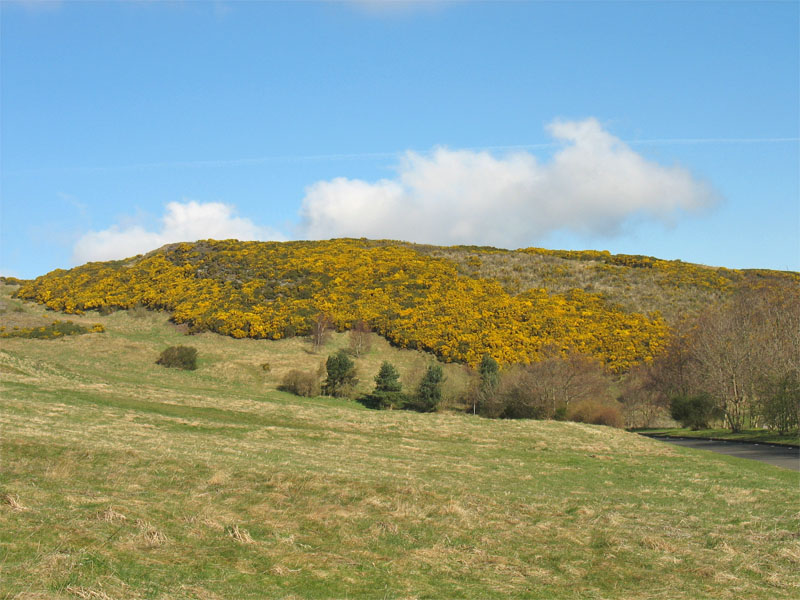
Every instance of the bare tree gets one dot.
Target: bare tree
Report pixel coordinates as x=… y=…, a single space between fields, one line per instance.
x=321 y=330
x=649 y=388
x=642 y=402
x=360 y=337
x=750 y=340
x=778 y=358
x=562 y=379
x=723 y=345
x=545 y=389
x=744 y=353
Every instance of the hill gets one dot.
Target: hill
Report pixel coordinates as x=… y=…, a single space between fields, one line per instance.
x=637 y=283
x=123 y=479
x=459 y=303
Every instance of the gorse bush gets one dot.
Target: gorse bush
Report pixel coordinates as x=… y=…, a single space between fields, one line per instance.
x=179 y=357
x=5 y=279
x=273 y=290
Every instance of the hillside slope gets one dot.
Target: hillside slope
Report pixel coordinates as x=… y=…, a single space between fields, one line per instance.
x=123 y=479
x=636 y=283
x=459 y=303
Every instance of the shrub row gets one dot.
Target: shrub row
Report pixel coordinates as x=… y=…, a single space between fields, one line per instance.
x=54 y=330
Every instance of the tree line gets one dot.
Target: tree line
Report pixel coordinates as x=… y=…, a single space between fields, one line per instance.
x=737 y=363
x=337 y=377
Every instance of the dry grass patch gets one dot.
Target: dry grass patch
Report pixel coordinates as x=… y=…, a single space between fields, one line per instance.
x=149 y=535
x=87 y=593
x=240 y=535
x=109 y=515
x=12 y=501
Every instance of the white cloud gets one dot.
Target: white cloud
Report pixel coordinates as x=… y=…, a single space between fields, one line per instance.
x=593 y=185
x=182 y=222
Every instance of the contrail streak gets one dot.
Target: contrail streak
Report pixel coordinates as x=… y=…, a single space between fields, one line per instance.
x=241 y=162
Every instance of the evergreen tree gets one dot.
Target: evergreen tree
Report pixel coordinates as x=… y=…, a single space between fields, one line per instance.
x=489 y=372
x=341 y=374
x=387 y=379
x=429 y=392
x=387 y=393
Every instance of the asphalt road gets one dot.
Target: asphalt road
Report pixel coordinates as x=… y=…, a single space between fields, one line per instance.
x=780 y=456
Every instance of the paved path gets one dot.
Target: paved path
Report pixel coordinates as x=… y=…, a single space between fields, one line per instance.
x=786 y=457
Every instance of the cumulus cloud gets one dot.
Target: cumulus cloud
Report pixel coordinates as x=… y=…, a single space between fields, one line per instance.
x=594 y=184
x=182 y=222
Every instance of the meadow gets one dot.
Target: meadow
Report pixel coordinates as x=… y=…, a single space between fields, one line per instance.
x=124 y=479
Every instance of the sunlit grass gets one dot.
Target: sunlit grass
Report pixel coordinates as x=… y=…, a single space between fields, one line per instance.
x=123 y=479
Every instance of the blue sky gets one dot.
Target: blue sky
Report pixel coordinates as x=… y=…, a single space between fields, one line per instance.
x=666 y=128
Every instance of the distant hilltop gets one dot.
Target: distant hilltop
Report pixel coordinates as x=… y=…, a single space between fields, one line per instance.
x=458 y=302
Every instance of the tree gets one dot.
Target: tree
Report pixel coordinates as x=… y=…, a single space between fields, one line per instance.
x=387 y=379
x=559 y=379
x=360 y=337
x=649 y=387
x=747 y=340
x=642 y=403
x=780 y=402
x=489 y=372
x=743 y=353
x=544 y=389
x=388 y=389
x=429 y=393
x=778 y=384
x=341 y=374
x=516 y=396
x=673 y=372
x=724 y=347
x=321 y=330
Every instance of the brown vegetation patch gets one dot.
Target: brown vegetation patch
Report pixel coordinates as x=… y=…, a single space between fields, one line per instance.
x=111 y=516
x=12 y=501
x=240 y=535
x=87 y=593
x=151 y=536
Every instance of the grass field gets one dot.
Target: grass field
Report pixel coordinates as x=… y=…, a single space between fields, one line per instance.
x=123 y=479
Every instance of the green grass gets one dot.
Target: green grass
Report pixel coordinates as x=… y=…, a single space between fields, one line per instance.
x=123 y=479
x=748 y=435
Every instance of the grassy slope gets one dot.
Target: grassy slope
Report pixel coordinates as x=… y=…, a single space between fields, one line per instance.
x=123 y=479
